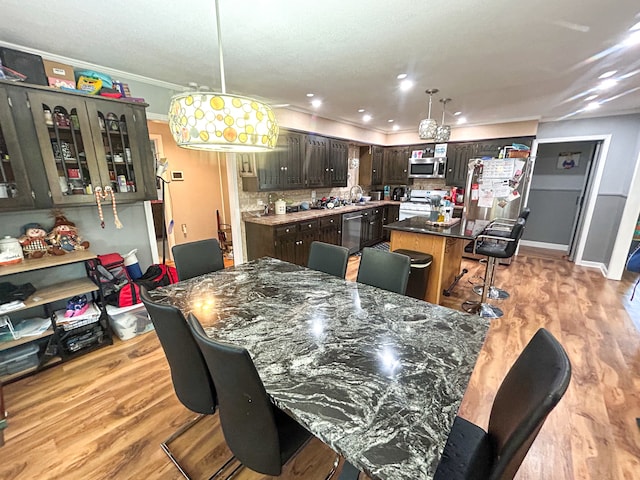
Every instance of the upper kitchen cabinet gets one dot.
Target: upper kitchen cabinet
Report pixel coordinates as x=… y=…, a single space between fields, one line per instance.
x=396 y=165
x=15 y=189
x=279 y=169
x=338 y=167
x=458 y=156
x=316 y=162
x=87 y=143
x=370 y=170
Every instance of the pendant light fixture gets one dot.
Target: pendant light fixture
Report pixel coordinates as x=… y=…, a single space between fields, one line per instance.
x=443 y=133
x=428 y=126
x=219 y=121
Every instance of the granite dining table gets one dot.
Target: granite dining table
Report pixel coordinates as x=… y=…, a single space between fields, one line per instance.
x=375 y=375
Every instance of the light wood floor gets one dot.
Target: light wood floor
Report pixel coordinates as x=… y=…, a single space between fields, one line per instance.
x=104 y=415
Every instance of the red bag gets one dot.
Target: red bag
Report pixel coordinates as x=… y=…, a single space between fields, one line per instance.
x=158 y=276
x=127 y=296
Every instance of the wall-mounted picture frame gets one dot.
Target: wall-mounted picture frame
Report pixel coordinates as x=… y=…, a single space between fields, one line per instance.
x=417 y=153
x=568 y=160
x=246 y=164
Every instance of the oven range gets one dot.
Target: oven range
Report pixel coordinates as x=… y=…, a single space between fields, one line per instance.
x=419 y=204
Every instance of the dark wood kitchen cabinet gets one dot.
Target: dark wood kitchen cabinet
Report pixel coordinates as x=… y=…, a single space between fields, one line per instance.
x=290 y=242
x=371 y=161
x=88 y=143
x=396 y=165
x=70 y=144
x=281 y=168
x=330 y=230
x=316 y=162
x=372 y=231
x=15 y=189
x=390 y=214
x=458 y=156
x=338 y=163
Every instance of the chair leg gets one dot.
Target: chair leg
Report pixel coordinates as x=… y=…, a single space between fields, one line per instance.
x=483 y=308
x=165 y=447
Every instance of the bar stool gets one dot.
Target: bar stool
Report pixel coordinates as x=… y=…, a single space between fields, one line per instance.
x=493 y=247
x=500 y=227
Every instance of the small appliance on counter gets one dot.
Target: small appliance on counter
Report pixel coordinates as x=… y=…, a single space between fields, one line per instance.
x=399 y=193
x=281 y=207
x=376 y=195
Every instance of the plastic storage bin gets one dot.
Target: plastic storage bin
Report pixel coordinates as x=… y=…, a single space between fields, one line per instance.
x=419 y=276
x=20 y=358
x=127 y=322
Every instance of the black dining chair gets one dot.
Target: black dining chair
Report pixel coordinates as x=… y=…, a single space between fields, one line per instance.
x=261 y=436
x=197 y=258
x=189 y=372
x=327 y=258
x=532 y=388
x=386 y=270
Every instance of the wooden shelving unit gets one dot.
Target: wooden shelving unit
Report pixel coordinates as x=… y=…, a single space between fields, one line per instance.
x=51 y=349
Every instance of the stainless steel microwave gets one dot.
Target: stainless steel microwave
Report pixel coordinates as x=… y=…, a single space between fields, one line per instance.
x=427 y=167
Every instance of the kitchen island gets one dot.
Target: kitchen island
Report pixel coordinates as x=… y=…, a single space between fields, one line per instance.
x=375 y=375
x=445 y=244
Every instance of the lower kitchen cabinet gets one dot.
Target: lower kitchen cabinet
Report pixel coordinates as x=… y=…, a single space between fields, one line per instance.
x=390 y=214
x=62 y=340
x=371 y=232
x=290 y=242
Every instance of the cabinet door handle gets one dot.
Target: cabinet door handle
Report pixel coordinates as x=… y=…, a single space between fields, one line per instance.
x=326 y=169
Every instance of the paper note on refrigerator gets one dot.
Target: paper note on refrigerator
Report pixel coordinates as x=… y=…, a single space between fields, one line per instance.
x=486 y=196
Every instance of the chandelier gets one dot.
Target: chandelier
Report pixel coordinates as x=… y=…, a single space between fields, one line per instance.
x=428 y=126
x=443 y=132
x=219 y=121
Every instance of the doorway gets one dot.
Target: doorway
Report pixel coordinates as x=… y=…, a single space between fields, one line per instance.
x=562 y=196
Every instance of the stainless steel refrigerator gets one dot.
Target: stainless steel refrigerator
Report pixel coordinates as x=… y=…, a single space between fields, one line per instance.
x=496 y=188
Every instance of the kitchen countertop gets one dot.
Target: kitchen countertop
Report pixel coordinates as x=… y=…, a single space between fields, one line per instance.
x=420 y=225
x=310 y=214
x=375 y=375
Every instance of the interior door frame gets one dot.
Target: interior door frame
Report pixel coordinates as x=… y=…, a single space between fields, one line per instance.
x=592 y=195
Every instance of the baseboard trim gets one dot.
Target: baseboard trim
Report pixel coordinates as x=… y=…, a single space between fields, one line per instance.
x=548 y=246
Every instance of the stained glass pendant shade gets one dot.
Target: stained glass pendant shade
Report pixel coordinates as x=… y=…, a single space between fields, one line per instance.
x=428 y=126
x=221 y=121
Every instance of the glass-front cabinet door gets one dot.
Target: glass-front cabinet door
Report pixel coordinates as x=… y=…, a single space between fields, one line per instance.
x=64 y=134
x=117 y=148
x=87 y=143
x=15 y=190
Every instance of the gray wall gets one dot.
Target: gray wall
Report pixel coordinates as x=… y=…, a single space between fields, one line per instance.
x=132 y=235
x=616 y=178
x=554 y=192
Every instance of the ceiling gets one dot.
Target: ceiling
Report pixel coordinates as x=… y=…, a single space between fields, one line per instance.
x=498 y=60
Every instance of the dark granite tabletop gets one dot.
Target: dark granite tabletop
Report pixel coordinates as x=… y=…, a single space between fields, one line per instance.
x=464 y=229
x=375 y=375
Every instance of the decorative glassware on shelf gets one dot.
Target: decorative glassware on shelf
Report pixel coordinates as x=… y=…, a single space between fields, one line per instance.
x=428 y=126
x=443 y=132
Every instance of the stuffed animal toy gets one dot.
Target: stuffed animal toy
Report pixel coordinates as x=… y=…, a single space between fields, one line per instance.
x=34 y=242
x=64 y=235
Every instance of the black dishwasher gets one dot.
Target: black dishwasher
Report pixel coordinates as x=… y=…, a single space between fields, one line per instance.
x=351 y=228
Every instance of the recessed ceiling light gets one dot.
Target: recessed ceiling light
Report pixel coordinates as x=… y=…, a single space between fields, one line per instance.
x=316 y=103
x=462 y=120
x=360 y=110
x=608 y=83
x=401 y=76
x=391 y=120
x=395 y=127
x=632 y=39
x=309 y=95
x=406 y=85
x=608 y=74
x=635 y=27
x=366 y=117
x=592 y=106
x=457 y=113
x=590 y=97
